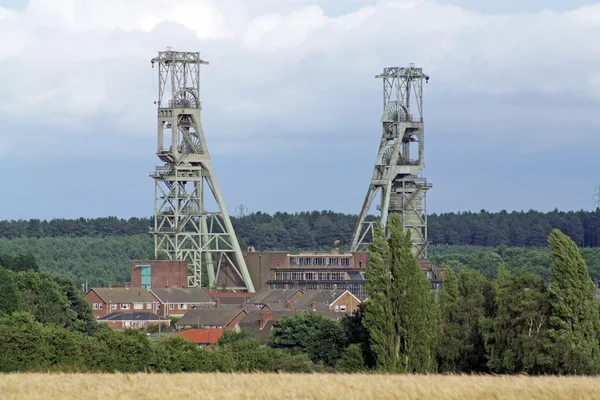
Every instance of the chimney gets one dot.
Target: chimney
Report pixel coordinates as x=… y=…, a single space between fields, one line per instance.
x=265 y=316
x=218 y=303
x=313 y=305
x=287 y=304
x=285 y=287
x=243 y=305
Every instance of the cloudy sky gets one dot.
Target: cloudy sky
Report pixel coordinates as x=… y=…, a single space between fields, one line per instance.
x=291 y=107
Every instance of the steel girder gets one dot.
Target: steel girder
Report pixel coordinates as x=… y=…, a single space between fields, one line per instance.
x=183 y=229
x=400 y=161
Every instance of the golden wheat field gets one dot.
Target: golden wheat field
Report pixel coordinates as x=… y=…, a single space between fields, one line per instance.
x=284 y=386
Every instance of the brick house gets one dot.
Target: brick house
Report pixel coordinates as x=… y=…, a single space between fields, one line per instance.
x=201 y=337
x=151 y=274
x=226 y=319
x=176 y=302
x=105 y=301
x=121 y=320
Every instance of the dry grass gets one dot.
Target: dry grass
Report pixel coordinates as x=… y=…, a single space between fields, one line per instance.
x=282 y=387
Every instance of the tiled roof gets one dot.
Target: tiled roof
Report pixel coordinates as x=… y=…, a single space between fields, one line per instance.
x=209 y=317
x=320 y=297
x=272 y=296
x=201 y=336
x=124 y=295
x=129 y=316
x=181 y=295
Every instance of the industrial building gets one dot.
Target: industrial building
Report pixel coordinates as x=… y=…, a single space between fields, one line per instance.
x=201 y=247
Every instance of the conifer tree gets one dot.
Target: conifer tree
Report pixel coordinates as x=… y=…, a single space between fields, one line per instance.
x=401 y=311
x=464 y=300
x=575 y=318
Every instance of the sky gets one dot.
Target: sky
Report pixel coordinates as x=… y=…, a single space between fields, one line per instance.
x=291 y=106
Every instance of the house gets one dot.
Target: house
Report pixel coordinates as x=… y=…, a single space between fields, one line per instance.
x=120 y=320
x=177 y=301
x=229 y=299
x=201 y=337
x=108 y=300
x=328 y=300
x=275 y=296
x=226 y=319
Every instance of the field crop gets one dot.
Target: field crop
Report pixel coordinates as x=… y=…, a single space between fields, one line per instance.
x=283 y=386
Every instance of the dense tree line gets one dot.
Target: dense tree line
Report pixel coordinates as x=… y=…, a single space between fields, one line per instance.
x=515 y=322
x=319 y=229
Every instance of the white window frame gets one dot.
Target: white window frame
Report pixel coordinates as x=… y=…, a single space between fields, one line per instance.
x=99 y=306
x=337 y=308
x=95 y=306
x=113 y=306
x=171 y=306
x=148 y=306
x=183 y=306
x=125 y=306
x=138 y=306
x=343 y=308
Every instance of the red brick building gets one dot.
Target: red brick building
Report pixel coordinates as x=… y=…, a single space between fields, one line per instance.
x=159 y=274
x=177 y=301
x=123 y=320
x=109 y=300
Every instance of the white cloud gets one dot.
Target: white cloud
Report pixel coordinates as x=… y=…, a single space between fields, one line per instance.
x=286 y=66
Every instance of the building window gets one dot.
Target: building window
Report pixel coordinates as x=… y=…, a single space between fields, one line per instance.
x=95 y=306
x=113 y=306
x=125 y=306
x=100 y=306
x=148 y=306
x=171 y=306
x=183 y=306
x=142 y=324
x=138 y=306
x=337 y=308
x=133 y=324
x=343 y=308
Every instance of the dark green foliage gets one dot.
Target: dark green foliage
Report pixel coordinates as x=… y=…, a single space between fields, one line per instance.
x=178 y=355
x=516 y=337
x=464 y=300
x=352 y=360
x=45 y=299
x=321 y=338
x=130 y=350
x=401 y=312
x=10 y=297
x=356 y=333
x=19 y=262
x=575 y=320
x=84 y=320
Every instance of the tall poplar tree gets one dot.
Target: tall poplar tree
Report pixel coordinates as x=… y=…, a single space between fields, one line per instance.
x=575 y=318
x=401 y=311
x=464 y=300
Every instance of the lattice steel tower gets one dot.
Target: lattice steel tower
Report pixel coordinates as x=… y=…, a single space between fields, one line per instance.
x=183 y=228
x=399 y=164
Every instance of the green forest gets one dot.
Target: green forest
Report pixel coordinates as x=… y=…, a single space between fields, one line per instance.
x=99 y=250
x=319 y=229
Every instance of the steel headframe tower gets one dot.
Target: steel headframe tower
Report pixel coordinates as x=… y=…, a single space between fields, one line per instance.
x=183 y=229
x=399 y=162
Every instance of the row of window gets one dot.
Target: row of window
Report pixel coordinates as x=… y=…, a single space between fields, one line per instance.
x=356 y=289
x=137 y=306
x=123 y=306
x=310 y=276
x=319 y=261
